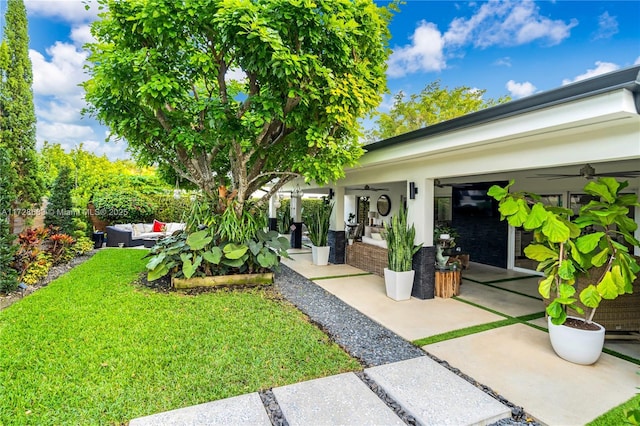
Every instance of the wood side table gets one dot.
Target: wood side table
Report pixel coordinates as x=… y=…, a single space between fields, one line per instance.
x=447 y=283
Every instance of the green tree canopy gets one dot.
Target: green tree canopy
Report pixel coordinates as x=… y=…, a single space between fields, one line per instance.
x=432 y=105
x=239 y=93
x=17 y=113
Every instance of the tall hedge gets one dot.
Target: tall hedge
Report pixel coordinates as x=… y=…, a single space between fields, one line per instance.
x=60 y=207
x=8 y=276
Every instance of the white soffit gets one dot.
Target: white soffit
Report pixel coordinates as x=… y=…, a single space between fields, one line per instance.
x=609 y=110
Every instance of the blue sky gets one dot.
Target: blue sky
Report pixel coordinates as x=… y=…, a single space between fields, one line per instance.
x=514 y=48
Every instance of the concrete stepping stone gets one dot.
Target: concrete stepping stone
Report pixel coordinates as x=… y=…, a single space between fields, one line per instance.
x=335 y=400
x=238 y=410
x=436 y=396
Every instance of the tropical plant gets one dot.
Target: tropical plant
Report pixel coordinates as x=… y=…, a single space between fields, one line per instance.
x=60 y=247
x=318 y=225
x=443 y=228
x=284 y=218
x=29 y=245
x=197 y=254
x=401 y=242
x=567 y=247
x=38 y=269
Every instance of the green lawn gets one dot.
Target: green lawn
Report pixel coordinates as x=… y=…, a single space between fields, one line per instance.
x=91 y=348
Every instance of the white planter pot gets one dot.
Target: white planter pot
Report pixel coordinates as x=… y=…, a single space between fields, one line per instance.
x=320 y=255
x=398 y=284
x=575 y=345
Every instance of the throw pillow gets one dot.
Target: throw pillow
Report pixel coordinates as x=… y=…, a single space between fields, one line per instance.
x=158 y=226
x=376 y=236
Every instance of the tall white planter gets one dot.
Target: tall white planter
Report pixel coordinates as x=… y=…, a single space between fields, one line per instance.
x=398 y=284
x=575 y=345
x=320 y=255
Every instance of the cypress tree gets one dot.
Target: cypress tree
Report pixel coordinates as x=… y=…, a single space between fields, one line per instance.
x=60 y=204
x=8 y=276
x=17 y=112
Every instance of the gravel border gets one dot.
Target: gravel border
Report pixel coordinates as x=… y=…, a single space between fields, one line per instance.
x=359 y=335
x=367 y=340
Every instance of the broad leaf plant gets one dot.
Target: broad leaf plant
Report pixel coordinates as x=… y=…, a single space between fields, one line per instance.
x=567 y=246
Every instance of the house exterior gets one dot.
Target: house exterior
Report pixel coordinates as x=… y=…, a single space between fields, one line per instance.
x=549 y=143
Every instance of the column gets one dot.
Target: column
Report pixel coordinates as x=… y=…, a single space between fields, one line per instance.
x=337 y=237
x=295 y=210
x=274 y=203
x=420 y=210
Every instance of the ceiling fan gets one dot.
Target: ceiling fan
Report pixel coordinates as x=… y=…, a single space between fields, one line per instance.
x=588 y=172
x=370 y=188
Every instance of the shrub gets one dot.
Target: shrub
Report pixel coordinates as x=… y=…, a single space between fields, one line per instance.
x=60 y=207
x=124 y=206
x=169 y=209
x=29 y=248
x=82 y=245
x=38 y=269
x=60 y=248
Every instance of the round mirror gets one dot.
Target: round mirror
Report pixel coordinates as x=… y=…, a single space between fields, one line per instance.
x=384 y=205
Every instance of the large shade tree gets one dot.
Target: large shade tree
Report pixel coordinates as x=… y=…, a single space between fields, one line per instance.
x=432 y=105
x=240 y=94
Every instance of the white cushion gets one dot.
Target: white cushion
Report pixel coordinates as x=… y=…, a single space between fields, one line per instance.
x=377 y=236
x=173 y=227
x=150 y=235
x=373 y=242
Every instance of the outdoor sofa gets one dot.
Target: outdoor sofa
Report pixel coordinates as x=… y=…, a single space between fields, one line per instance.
x=138 y=234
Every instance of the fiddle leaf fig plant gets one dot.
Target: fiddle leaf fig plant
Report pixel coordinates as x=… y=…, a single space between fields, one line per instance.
x=567 y=247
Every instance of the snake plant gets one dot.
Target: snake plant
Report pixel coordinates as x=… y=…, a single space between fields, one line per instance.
x=400 y=242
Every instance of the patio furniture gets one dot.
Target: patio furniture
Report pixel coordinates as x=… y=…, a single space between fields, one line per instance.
x=367 y=257
x=447 y=283
x=138 y=234
x=618 y=315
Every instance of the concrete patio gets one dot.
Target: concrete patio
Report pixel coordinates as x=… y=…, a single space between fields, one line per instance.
x=516 y=361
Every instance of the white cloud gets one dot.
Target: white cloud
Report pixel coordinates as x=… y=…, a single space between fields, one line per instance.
x=520 y=90
x=72 y=11
x=113 y=150
x=601 y=68
x=61 y=75
x=58 y=132
x=55 y=110
x=425 y=53
x=82 y=35
x=59 y=98
x=507 y=24
x=505 y=62
x=607 y=26
x=637 y=62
